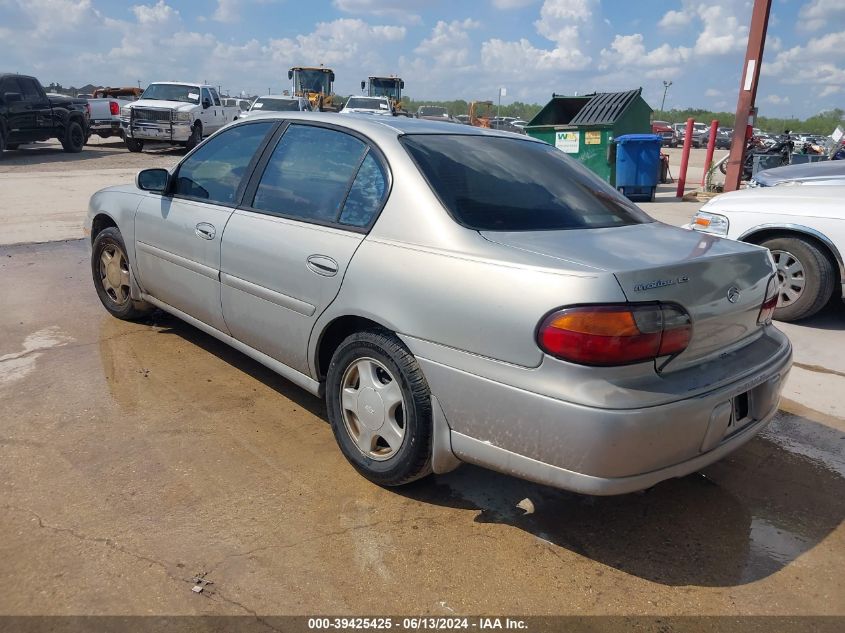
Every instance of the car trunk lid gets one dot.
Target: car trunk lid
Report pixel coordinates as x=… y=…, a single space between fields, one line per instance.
x=720 y=283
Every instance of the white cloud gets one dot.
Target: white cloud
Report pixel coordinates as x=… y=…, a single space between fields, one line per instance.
x=712 y=92
x=776 y=100
x=723 y=31
x=157 y=14
x=449 y=42
x=227 y=11
x=517 y=57
x=630 y=51
x=817 y=14
x=675 y=20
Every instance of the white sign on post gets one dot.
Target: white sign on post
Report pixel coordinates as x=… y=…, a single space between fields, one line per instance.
x=569 y=142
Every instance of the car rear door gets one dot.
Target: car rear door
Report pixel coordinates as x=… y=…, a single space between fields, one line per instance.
x=285 y=250
x=178 y=235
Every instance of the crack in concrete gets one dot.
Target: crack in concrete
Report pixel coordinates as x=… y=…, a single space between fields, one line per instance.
x=819 y=369
x=110 y=543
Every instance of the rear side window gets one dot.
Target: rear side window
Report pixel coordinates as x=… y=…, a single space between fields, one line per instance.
x=366 y=195
x=310 y=173
x=215 y=170
x=490 y=183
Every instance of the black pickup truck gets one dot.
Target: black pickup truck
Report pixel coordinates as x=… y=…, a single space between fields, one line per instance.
x=28 y=114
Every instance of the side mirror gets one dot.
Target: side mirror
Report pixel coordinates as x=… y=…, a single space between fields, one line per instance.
x=331 y=77
x=156 y=180
x=363 y=85
x=290 y=74
x=13 y=97
x=206 y=104
x=402 y=85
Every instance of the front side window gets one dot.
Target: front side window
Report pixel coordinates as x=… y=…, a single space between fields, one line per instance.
x=214 y=171
x=206 y=96
x=310 y=173
x=491 y=183
x=215 y=97
x=30 y=91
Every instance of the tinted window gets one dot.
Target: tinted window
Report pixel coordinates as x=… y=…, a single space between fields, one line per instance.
x=215 y=97
x=30 y=90
x=501 y=184
x=367 y=192
x=206 y=95
x=9 y=85
x=309 y=173
x=215 y=170
x=276 y=105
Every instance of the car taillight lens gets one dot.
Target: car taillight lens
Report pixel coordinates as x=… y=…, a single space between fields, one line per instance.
x=114 y=108
x=767 y=310
x=620 y=334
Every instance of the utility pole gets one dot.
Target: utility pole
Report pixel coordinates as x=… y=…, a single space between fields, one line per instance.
x=666 y=85
x=502 y=92
x=746 y=112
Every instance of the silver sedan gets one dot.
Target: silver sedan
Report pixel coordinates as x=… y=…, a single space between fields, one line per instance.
x=456 y=295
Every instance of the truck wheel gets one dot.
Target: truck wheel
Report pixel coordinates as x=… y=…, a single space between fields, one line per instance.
x=196 y=137
x=133 y=145
x=805 y=276
x=74 y=138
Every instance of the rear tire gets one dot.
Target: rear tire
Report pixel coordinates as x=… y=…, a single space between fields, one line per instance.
x=806 y=275
x=379 y=405
x=111 y=273
x=133 y=145
x=74 y=138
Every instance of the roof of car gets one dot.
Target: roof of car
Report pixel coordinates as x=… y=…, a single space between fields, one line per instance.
x=394 y=125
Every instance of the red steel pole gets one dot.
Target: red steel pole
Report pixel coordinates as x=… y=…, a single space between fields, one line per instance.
x=748 y=90
x=682 y=175
x=711 y=145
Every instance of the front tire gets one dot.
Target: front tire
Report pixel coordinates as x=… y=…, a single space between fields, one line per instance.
x=379 y=405
x=74 y=138
x=111 y=274
x=805 y=274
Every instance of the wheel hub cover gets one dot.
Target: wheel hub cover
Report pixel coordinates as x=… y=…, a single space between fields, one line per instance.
x=370 y=409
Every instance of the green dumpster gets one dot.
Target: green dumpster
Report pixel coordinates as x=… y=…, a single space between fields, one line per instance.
x=584 y=126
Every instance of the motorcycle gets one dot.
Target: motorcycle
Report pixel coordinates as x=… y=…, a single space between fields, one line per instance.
x=784 y=147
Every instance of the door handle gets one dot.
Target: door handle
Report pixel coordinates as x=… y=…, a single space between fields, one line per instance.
x=322 y=265
x=205 y=230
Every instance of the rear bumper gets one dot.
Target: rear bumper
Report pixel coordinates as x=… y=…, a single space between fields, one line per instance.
x=112 y=127
x=601 y=451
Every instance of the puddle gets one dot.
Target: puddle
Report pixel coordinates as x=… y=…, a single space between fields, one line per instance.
x=17 y=365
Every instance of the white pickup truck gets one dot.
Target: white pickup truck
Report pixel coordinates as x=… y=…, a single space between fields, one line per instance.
x=105 y=105
x=181 y=113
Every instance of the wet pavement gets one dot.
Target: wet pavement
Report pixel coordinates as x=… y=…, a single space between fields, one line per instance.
x=134 y=457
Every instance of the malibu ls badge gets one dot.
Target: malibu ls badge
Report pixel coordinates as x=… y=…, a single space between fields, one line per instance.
x=661 y=283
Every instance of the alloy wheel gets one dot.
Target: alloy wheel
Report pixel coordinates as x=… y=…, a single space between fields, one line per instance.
x=791 y=277
x=114 y=274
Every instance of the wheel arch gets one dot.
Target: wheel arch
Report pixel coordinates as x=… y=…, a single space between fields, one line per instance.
x=763 y=232
x=101 y=221
x=334 y=333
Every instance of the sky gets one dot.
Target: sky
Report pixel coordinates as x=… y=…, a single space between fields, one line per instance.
x=443 y=49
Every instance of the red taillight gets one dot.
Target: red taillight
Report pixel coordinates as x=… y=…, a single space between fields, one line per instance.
x=767 y=310
x=114 y=108
x=615 y=334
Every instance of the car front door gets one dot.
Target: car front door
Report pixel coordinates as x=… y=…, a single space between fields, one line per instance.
x=39 y=104
x=177 y=236
x=285 y=250
x=209 y=125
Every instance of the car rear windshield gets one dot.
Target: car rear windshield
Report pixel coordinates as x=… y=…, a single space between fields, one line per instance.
x=491 y=183
x=367 y=104
x=277 y=105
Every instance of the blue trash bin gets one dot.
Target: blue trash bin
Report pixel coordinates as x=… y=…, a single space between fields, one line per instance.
x=638 y=165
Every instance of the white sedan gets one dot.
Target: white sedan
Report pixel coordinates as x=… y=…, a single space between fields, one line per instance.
x=803 y=227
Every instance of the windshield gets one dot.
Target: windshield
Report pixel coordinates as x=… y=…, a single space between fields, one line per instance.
x=172 y=92
x=367 y=103
x=385 y=88
x=311 y=81
x=276 y=105
x=433 y=111
x=501 y=184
